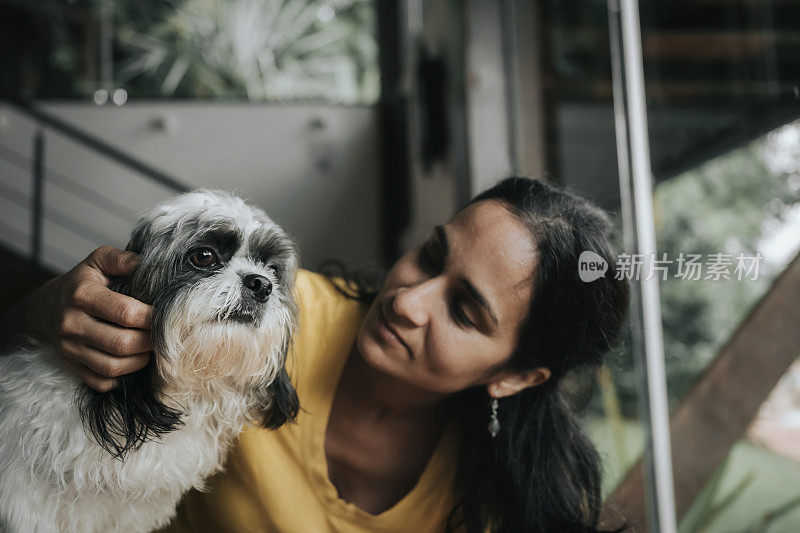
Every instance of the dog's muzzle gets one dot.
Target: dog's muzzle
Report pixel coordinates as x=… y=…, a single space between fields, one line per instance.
x=256 y=290
x=258 y=286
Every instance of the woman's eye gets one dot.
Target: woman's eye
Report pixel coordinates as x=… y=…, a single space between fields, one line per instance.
x=427 y=260
x=431 y=261
x=460 y=316
x=204 y=258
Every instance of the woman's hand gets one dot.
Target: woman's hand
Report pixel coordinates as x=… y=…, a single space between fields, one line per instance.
x=100 y=334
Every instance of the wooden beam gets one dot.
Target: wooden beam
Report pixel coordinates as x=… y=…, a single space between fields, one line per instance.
x=736 y=43
x=660 y=91
x=719 y=408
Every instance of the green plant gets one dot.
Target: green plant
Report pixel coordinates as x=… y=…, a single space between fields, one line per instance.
x=254 y=49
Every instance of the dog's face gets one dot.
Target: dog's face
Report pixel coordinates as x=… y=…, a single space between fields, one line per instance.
x=219 y=275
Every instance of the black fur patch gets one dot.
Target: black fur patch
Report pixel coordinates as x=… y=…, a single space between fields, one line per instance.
x=126 y=417
x=283 y=404
x=268 y=247
x=224 y=240
x=131 y=414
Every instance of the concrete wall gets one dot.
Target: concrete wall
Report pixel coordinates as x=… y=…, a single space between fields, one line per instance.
x=313 y=168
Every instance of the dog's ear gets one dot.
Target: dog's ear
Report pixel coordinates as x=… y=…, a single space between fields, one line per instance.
x=282 y=405
x=141 y=232
x=126 y=417
x=132 y=413
x=139 y=236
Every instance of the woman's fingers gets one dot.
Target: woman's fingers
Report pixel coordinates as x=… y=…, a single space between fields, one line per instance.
x=101 y=302
x=112 y=262
x=104 y=364
x=92 y=379
x=90 y=290
x=105 y=336
x=100 y=334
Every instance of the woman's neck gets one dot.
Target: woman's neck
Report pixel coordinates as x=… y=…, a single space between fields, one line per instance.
x=380 y=396
x=381 y=433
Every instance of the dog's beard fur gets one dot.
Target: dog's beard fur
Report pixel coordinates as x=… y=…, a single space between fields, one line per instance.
x=213 y=346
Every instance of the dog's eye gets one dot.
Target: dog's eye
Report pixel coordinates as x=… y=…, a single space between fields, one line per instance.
x=204 y=258
x=275 y=271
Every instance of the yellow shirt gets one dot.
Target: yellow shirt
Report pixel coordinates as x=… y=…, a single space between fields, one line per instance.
x=278 y=480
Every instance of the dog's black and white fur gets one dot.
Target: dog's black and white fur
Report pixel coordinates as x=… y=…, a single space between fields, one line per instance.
x=219 y=274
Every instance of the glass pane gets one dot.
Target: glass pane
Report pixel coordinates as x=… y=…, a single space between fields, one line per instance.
x=723 y=94
x=582 y=155
x=723 y=88
x=744 y=202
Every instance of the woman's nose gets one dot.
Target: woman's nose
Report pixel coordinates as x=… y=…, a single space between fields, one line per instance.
x=414 y=303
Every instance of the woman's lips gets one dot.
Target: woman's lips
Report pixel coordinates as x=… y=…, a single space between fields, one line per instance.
x=388 y=332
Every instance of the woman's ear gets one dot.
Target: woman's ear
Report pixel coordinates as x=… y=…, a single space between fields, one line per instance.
x=508 y=383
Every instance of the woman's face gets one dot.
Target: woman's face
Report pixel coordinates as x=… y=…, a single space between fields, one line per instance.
x=450 y=310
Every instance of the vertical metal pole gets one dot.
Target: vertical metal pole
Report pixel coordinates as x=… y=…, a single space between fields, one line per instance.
x=38 y=198
x=633 y=146
x=106 y=46
x=510 y=58
x=629 y=232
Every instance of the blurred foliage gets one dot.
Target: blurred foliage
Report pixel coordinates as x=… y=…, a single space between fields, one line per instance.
x=257 y=50
x=728 y=205
x=252 y=49
x=45 y=51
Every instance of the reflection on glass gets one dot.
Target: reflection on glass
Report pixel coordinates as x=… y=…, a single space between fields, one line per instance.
x=723 y=88
x=612 y=424
x=745 y=202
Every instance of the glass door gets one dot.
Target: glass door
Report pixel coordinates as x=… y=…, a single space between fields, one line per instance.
x=709 y=141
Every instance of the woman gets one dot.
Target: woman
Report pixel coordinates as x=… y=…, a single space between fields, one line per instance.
x=432 y=406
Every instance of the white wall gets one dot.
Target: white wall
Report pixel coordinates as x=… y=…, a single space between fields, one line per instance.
x=321 y=184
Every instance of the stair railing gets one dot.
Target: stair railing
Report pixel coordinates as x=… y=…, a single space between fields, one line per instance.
x=44 y=120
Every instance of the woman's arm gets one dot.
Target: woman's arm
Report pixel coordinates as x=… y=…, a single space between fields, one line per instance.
x=99 y=333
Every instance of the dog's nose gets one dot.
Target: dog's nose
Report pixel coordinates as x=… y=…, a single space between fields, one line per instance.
x=260 y=286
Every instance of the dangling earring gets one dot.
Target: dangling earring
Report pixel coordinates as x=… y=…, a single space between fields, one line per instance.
x=494 y=423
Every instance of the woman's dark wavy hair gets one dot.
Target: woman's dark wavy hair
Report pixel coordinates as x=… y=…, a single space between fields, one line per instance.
x=541 y=473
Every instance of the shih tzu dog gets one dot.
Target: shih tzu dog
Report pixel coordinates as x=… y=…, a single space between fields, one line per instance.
x=219 y=275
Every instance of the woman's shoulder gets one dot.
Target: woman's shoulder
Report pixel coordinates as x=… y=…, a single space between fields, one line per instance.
x=327 y=326
x=319 y=303
x=314 y=287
